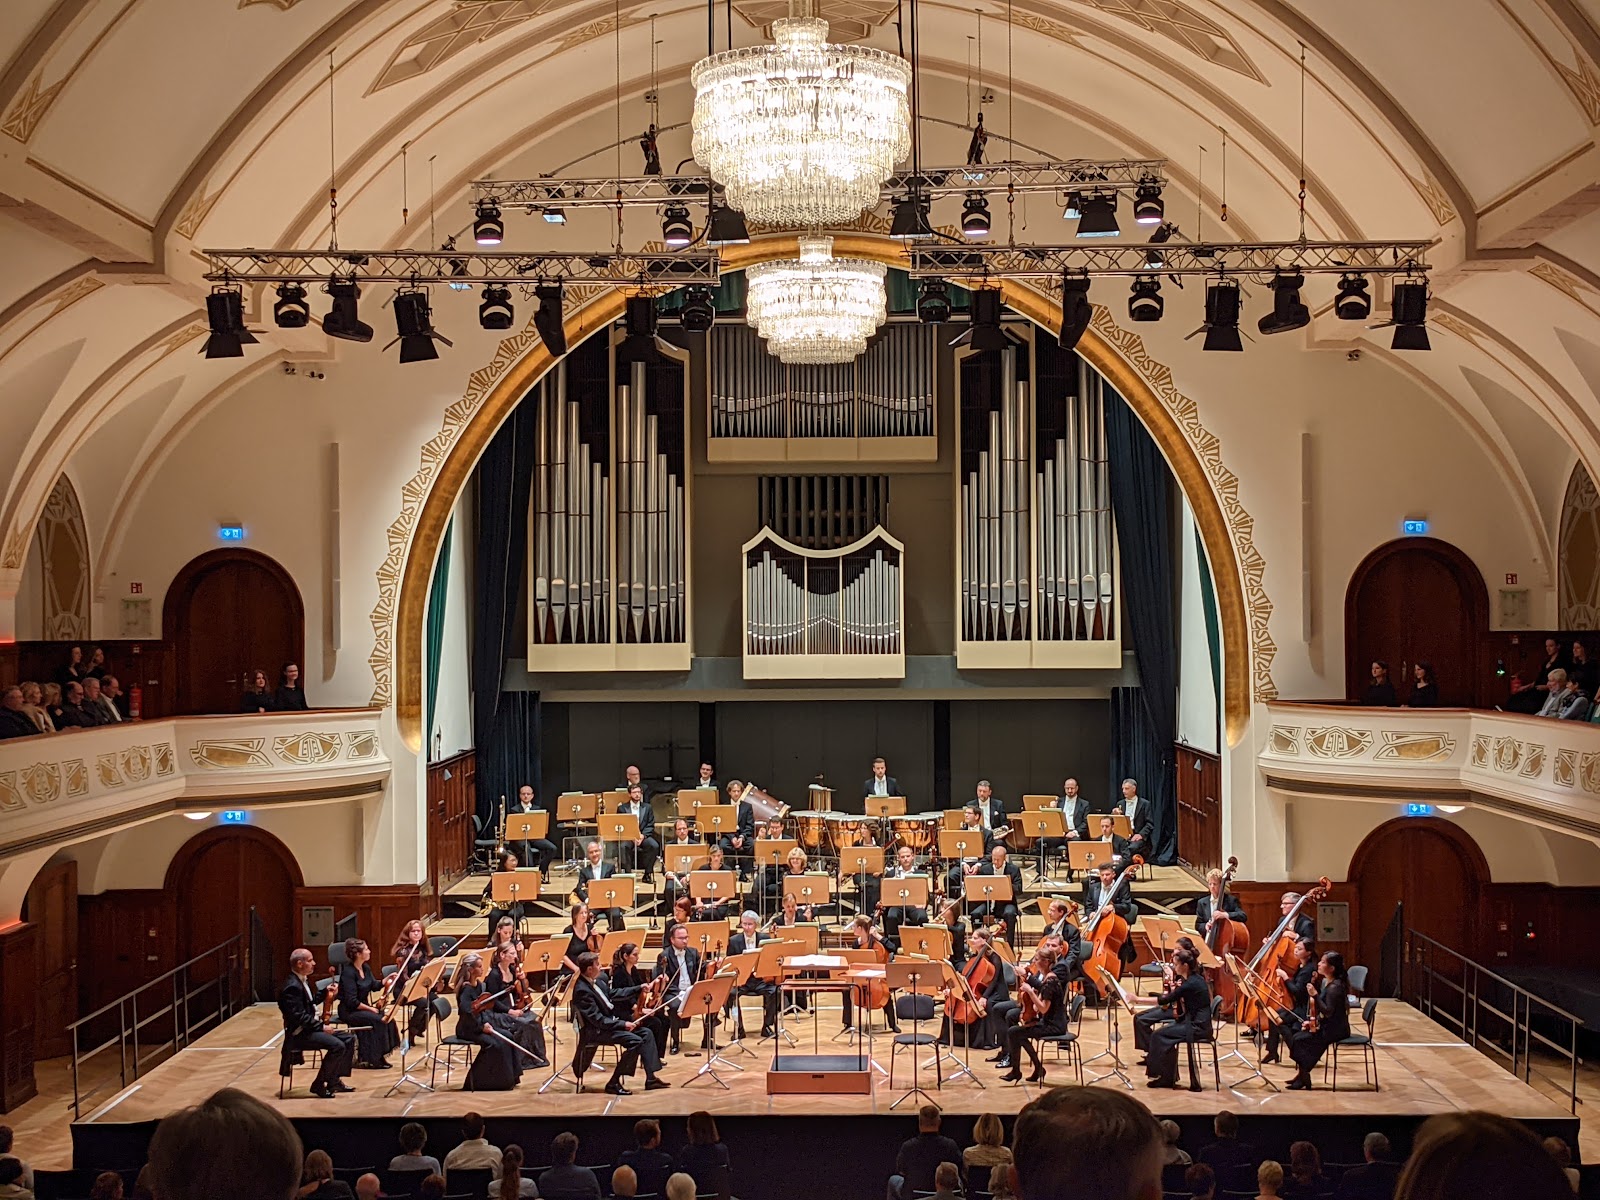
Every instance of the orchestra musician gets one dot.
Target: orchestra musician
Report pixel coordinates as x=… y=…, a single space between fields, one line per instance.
x=797 y=866
x=1305 y=926
x=749 y=937
x=1140 y=815
x=605 y=1021
x=1121 y=847
x=866 y=938
x=986 y=977
x=497 y=1067
x=768 y=888
x=1298 y=985
x=682 y=913
x=536 y=850
x=375 y=1037
x=905 y=865
x=1107 y=889
x=950 y=919
x=681 y=963
x=646 y=847
x=1043 y=1013
x=411 y=954
x=302 y=1030
x=513 y=1001
x=1147 y=1021
x=1216 y=902
x=504 y=934
x=991 y=812
x=1005 y=911
x=1327 y=1020
x=1074 y=807
x=626 y=980
x=713 y=910
x=707 y=778
x=581 y=936
x=740 y=845
x=955 y=878
x=673 y=882
x=1190 y=1001
x=596 y=868
x=1057 y=925
x=881 y=783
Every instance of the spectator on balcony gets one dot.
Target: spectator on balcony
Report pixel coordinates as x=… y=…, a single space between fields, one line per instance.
x=33 y=705
x=1565 y=702
x=97 y=705
x=51 y=702
x=74 y=670
x=291 y=697
x=111 y=689
x=1528 y=697
x=258 y=697
x=68 y=712
x=1424 y=692
x=1380 y=690
x=1584 y=669
x=14 y=722
x=97 y=668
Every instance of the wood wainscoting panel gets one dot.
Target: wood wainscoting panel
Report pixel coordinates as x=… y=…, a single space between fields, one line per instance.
x=381 y=913
x=452 y=802
x=19 y=966
x=1260 y=904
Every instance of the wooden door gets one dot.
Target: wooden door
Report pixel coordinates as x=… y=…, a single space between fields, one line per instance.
x=52 y=905
x=227 y=613
x=221 y=875
x=1416 y=600
x=1434 y=871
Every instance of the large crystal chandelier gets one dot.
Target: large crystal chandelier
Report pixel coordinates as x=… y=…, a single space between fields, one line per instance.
x=803 y=132
x=817 y=309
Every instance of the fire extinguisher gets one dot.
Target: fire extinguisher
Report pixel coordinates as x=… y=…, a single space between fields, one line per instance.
x=135 y=698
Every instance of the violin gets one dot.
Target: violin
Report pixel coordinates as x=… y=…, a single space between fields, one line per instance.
x=649 y=996
x=1032 y=1006
x=486 y=1001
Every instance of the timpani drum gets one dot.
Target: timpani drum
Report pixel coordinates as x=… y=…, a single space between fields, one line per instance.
x=811 y=829
x=915 y=830
x=846 y=830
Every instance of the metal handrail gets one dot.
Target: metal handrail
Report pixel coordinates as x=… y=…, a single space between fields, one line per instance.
x=1419 y=955
x=175 y=999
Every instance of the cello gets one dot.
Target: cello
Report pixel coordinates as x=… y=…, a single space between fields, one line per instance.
x=1108 y=930
x=1226 y=936
x=979 y=972
x=1275 y=952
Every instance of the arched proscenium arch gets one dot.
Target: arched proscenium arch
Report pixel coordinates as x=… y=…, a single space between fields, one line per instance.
x=1096 y=347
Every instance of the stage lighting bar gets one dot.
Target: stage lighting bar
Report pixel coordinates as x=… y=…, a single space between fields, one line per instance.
x=462 y=266
x=1178 y=258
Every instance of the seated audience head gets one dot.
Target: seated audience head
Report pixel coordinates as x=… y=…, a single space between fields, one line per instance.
x=107 y=1186
x=647 y=1133
x=564 y=1149
x=702 y=1129
x=1226 y=1124
x=1201 y=1181
x=510 y=1173
x=52 y=695
x=928 y=1118
x=10 y=1172
x=472 y=1126
x=946 y=1177
x=1000 y=1182
x=431 y=1188
x=680 y=1186
x=1269 y=1178
x=144 y=1187
x=1482 y=1155
x=1087 y=1144
x=91 y=688
x=988 y=1131
x=1170 y=1132
x=229 y=1144
x=74 y=692
x=319 y=1166
x=1375 y=1147
x=413 y=1137
x=13 y=698
x=1305 y=1163
x=368 y=1187
x=624 y=1182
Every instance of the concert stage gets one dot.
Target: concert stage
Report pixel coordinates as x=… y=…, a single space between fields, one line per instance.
x=774 y=1139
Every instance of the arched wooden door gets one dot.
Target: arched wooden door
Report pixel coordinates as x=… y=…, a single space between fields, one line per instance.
x=1434 y=870
x=1416 y=600
x=226 y=613
x=218 y=877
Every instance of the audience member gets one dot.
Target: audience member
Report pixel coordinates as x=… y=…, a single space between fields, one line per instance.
x=229 y=1145
x=1305 y=1180
x=705 y=1158
x=144 y=1187
x=1584 y=669
x=1424 y=693
x=1377 y=1175
x=97 y=664
x=111 y=690
x=369 y=1187
x=290 y=697
x=7 y=1141
x=413 y=1137
x=258 y=697
x=1380 y=691
x=101 y=711
x=920 y=1156
x=1174 y=1154
x=565 y=1180
x=14 y=722
x=1554 y=1146
x=50 y=702
x=624 y=1182
x=431 y=1188
x=1201 y=1181
x=33 y=705
x=1269 y=1180
x=680 y=1187
x=474 y=1153
x=74 y=670
x=946 y=1182
x=1227 y=1151
x=64 y=714
x=1481 y=1155
x=1565 y=702
x=513 y=1185
x=11 y=1181
x=107 y=1186
x=988 y=1148
x=1086 y=1143
x=1000 y=1183
x=647 y=1160
x=317 y=1181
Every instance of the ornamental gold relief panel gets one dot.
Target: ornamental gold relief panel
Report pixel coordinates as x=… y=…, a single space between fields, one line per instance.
x=229 y=754
x=1566 y=772
x=1480 y=750
x=1507 y=754
x=41 y=783
x=363 y=743
x=1589 y=773
x=1335 y=741
x=10 y=800
x=1532 y=763
x=1285 y=740
x=1415 y=747
x=307 y=749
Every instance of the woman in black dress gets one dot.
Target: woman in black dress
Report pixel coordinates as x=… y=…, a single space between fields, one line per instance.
x=1327 y=1022
x=1423 y=692
x=510 y=1014
x=258 y=697
x=291 y=697
x=411 y=954
x=375 y=1037
x=1380 y=688
x=582 y=937
x=75 y=670
x=627 y=980
x=498 y=1064
x=1584 y=670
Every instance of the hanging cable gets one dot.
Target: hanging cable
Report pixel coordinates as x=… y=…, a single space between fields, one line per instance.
x=1224 y=212
x=1302 y=141
x=405 y=187
x=333 y=168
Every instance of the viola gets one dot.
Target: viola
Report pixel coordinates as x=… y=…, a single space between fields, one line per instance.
x=979 y=973
x=649 y=996
x=330 y=997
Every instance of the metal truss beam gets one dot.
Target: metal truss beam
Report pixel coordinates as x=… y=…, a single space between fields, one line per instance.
x=462 y=266
x=1170 y=258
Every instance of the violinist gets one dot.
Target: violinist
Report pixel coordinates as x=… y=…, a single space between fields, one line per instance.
x=680 y=964
x=1190 y=1000
x=375 y=1037
x=302 y=1030
x=749 y=937
x=1327 y=1020
x=979 y=1023
x=581 y=936
x=866 y=938
x=595 y=868
x=1043 y=1014
x=905 y=865
x=411 y=954
x=682 y=913
x=1217 y=902
x=509 y=1012
x=1298 y=985
x=1161 y=1012
x=497 y=1067
x=630 y=984
x=607 y=1022
x=740 y=845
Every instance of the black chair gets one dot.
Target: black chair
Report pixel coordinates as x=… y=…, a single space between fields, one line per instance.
x=1193 y=1051
x=1357 y=1041
x=1172 y=1178
x=915 y=1009
x=1068 y=1039
x=1238 y=1179
x=469 y=1181
x=438 y=944
x=403 y=1183
x=482 y=847
x=449 y=1047
x=310 y=1060
x=70 y=1184
x=351 y=1174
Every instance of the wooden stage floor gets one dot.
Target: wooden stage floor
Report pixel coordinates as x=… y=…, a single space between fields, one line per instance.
x=1422 y=1069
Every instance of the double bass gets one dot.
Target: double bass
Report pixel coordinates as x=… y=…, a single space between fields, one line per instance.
x=1277 y=951
x=1226 y=936
x=1108 y=930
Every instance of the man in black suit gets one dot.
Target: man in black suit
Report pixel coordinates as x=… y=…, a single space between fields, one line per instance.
x=1121 y=848
x=749 y=937
x=1006 y=910
x=603 y=1024
x=739 y=847
x=1305 y=926
x=1215 y=902
x=302 y=1030
x=595 y=868
x=646 y=847
x=881 y=783
x=707 y=777
x=1228 y=1152
x=905 y=865
x=955 y=879
x=650 y=1163
x=1106 y=889
x=537 y=851
x=1374 y=1179
x=992 y=810
x=1137 y=809
x=14 y=722
x=680 y=963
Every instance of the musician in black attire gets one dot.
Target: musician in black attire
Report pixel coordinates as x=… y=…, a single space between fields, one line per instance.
x=749 y=937
x=626 y=980
x=510 y=1016
x=993 y=998
x=1190 y=1000
x=708 y=909
x=1005 y=910
x=956 y=877
x=1217 y=900
x=1043 y=987
x=497 y=1067
x=646 y=848
x=1065 y=968
x=581 y=936
x=506 y=863
x=1057 y=925
x=740 y=846
x=1161 y=1012
x=767 y=889
x=302 y=1030
x=1121 y=848
x=541 y=849
x=410 y=955
x=1074 y=806
x=680 y=963
x=1304 y=925
x=604 y=1023
x=375 y=1037
x=881 y=783
x=1328 y=1020
x=597 y=868
x=1298 y=984
x=1106 y=889
x=1140 y=815
x=905 y=865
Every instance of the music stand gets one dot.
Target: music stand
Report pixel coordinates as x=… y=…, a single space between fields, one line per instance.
x=927 y=941
x=953 y=979
x=1035 y=803
x=545 y=956
x=577 y=809
x=911 y=976
x=1087 y=856
x=861 y=861
x=1162 y=934
x=741 y=967
x=773 y=852
x=1041 y=824
x=1116 y=999
x=613 y=941
x=907 y=891
x=717 y=887
x=705 y=998
x=525 y=827
x=556 y=1070
x=884 y=807
x=1247 y=987
x=717 y=820
x=614 y=891
x=991 y=890
x=813 y=890
x=769 y=965
x=417 y=987
x=612 y=799
x=952 y=818
x=510 y=889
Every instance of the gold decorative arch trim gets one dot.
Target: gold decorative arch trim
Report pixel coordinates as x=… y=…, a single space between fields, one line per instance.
x=493 y=391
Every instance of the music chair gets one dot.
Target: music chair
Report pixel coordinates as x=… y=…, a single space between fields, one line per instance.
x=403 y=1183
x=469 y=1181
x=1193 y=1053
x=1069 y=1038
x=1356 y=977
x=482 y=847
x=351 y=1174
x=1150 y=970
x=915 y=1008
x=449 y=1047
x=1358 y=1041
x=1172 y=1178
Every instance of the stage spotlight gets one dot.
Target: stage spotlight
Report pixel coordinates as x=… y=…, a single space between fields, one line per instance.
x=1410 y=314
x=676 y=231
x=1222 y=316
x=1148 y=207
x=1076 y=311
x=1099 y=216
x=975 y=216
x=910 y=219
x=727 y=227
x=548 y=319
x=343 y=320
x=1146 y=303
x=487 y=227
x=1074 y=207
x=933 y=302
x=291 y=310
x=1352 y=303
x=554 y=216
x=496 y=312
x=698 y=314
x=1288 y=310
x=225 y=314
x=413 y=323
x=984 y=333
x=639 y=342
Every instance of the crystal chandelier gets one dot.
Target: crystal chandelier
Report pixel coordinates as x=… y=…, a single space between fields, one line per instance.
x=817 y=309
x=803 y=132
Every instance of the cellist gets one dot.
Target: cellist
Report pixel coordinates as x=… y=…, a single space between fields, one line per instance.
x=1103 y=894
x=876 y=993
x=981 y=1021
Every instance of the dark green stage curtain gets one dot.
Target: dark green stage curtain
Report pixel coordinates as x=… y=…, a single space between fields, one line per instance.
x=438 y=591
x=1208 y=597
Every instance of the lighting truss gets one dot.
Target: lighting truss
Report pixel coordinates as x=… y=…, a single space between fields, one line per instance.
x=462 y=266
x=1169 y=258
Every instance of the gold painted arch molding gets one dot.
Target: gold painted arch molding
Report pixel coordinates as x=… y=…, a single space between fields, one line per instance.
x=493 y=391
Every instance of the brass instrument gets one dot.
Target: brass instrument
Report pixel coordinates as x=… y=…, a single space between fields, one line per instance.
x=500 y=834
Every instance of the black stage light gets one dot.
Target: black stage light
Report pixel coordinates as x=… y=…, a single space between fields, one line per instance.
x=1076 y=311
x=639 y=342
x=933 y=302
x=1163 y=232
x=496 y=312
x=1352 y=303
x=727 y=227
x=413 y=323
x=1288 y=310
x=343 y=320
x=1073 y=208
x=1145 y=303
x=984 y=333
x=487 y=227
x=699 y=313
x=1410 y=310
x=676 y=231
x=548 y=319
x=1148 y=207
x=291 y=310
x=225 y=315
x=1098 y=216
x=1222 y=316
x=910 y=219
x=975 y=216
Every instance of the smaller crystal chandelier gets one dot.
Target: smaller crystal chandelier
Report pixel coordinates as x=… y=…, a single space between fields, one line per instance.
x=817 y=309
